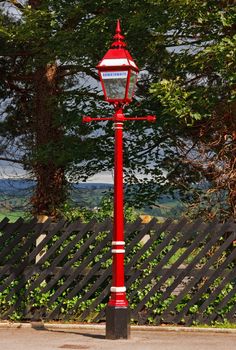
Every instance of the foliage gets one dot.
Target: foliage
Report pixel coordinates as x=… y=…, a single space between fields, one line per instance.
x=77 y=285
x=186 y=53
x=198 y=87
x=14 y=202
x=103 y=211
x=41 y=68
x=46 y=44
x=48 y=53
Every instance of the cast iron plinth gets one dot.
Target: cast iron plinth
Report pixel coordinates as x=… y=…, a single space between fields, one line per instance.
x=117 y=322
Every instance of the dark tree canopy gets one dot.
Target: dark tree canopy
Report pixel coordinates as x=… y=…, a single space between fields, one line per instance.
x=186 y=53
x=198 y=87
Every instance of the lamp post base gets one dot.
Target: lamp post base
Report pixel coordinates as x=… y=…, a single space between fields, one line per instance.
x=117 y=322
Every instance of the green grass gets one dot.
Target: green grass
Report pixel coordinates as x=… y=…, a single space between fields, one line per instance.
x=179 y=253
x=12 y=215
x=225 y=324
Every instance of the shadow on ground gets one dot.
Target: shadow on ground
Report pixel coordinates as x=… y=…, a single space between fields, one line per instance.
x=40 y=327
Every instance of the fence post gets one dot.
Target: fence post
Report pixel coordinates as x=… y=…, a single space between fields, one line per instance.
x=41 y=219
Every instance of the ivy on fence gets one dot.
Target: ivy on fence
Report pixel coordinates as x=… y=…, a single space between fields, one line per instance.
x=176 y=272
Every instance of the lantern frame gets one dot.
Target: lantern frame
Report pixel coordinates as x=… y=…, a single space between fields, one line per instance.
x=116 y=61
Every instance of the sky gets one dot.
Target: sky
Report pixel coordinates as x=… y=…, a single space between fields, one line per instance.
x=8 y=170
x=103 y=177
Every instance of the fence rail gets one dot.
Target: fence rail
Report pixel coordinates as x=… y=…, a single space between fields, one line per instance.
x=176 y=272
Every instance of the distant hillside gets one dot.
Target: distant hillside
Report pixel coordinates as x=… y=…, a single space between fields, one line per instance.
x=11 y=186
x=14 y=185
x=15 y=194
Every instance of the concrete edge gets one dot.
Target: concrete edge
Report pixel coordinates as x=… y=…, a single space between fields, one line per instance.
x=68 y=326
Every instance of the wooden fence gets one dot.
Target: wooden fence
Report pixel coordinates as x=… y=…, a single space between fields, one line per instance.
x=176 y=272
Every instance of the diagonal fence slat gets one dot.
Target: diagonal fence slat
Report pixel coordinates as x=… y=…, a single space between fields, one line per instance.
x=176 y=271
x=24 y=262
x=66 y=250
x=173 y=271
x=19 y=269
x=7 y=230
x=3 y=224
x=54 y=230
x=107 y=273
x=231 y=314
x=230 y=277
x=142 y=231
x=26 y=245
x=207 y=284
x=51 y=250
x=12 y=241
x=157 y=269
x=81 y=268
x=187 y=271
x=158 y=229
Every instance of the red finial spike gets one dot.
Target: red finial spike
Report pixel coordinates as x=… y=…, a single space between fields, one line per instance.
x=118 y=30
x=118 y=37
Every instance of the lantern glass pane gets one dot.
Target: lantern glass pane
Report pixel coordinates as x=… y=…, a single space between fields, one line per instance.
x=115 y=84
x=132 y=83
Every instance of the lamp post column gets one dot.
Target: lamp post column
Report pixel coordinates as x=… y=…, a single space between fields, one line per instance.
x=117 y=313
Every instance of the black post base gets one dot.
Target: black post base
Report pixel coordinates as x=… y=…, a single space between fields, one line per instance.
x=117 y=322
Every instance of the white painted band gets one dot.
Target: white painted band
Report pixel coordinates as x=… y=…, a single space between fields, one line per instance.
x=118 y=242
x=117 y=62
x=114 y=62
x=118 y=289
x=118 y=251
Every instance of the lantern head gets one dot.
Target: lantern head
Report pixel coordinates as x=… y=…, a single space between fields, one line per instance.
x=118 y=71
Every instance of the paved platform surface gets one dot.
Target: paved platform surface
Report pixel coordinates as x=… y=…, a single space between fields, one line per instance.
x=94 y=339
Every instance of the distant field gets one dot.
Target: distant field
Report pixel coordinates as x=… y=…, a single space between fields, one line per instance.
x=15 y=194
x=165 y=210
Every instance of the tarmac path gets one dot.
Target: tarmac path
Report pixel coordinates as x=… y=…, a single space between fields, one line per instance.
x=94 y=339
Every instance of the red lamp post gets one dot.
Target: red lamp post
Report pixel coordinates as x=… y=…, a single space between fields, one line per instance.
x=118 y=74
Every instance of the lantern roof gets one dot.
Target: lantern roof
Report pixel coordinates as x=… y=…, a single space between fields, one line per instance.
x=117 y=56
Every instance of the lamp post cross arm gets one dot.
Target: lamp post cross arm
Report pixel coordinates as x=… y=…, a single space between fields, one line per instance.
x=87 y=119
x=149 y=118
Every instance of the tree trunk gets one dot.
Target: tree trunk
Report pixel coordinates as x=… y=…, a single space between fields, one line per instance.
x=50 y=192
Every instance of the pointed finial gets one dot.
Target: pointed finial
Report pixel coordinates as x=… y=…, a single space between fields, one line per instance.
x=118 y=30
x=118 y=37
